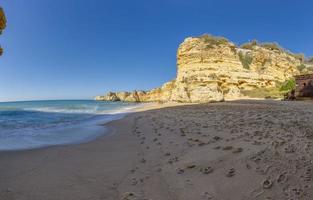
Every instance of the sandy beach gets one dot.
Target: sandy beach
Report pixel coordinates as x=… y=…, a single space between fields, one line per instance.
x=247 y=149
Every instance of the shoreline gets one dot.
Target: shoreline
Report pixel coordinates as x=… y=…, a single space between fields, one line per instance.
x=105 y=130
x=86 y=131
x=230 y=150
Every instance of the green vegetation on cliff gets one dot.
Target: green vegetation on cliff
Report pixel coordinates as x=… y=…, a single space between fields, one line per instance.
x=288 y=85
x=272 y=92
x=212 y=41
x=273 y=46
x=245 y=59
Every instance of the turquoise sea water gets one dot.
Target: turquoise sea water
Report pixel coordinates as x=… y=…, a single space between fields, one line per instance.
x=33 y=124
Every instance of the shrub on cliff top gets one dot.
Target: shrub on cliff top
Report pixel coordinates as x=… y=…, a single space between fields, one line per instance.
x=245 y=59
x=276 y=47
x=250 y=45
x=272 y=46
x=266 y=45
x=212 y=41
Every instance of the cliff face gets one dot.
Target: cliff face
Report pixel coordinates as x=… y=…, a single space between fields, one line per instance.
x=213 y=69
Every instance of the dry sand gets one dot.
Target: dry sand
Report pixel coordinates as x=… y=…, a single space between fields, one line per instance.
x=223 y=151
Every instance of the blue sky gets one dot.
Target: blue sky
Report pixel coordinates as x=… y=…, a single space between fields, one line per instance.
x=76 y=49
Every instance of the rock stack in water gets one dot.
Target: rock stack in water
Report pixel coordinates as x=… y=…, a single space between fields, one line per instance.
x=214 y=69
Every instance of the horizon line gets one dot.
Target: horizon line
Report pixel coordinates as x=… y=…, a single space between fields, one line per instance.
x=16 y=101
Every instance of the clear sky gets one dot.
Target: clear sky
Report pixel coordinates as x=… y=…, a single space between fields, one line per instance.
x=76 y=49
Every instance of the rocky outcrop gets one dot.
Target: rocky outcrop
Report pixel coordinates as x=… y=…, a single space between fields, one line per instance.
x=214 y=69
x=2 y=25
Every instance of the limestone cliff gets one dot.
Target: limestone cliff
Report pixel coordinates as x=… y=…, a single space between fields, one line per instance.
x=214 y=69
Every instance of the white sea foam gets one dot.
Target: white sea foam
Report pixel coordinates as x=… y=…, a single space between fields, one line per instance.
x=87 y=110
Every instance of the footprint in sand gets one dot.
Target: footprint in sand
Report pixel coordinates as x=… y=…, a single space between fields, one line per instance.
x=180 y=171
x=158 y=169
x=295 y=193
x=282 y=178
x=208 y=196
x=308 y=174
x=189 y=182
x=226 y=148
x=190 y=166
x=171 y=160
x=201 y=143
x=129 y=196
x=238 y=150
x=267 y=184
x=167 y=154
x=134 y=181
x=207 y=170
x=231 y=172
x=256 y=143
x=290 y=149
x=216 y=138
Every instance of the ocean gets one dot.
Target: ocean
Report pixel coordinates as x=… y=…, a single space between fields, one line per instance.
x=34 y=124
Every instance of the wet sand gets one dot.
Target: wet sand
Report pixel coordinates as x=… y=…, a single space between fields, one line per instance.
x=245 y=149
